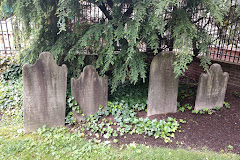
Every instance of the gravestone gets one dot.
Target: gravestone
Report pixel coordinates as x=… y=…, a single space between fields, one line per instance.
x=90 y=91
x=211 y=88
x=163 y=85
x=44 y=97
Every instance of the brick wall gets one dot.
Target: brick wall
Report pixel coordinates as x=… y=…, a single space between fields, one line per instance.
x=194 y=70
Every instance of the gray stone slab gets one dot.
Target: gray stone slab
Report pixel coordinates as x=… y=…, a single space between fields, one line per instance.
x=211 y=88
x=90 y=91
x=44 y=97
x=163 y=85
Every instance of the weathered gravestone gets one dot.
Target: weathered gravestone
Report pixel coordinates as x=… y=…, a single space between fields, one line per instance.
x=90 y=91
x=163 y=85
x=44 y=97
x=211 y=88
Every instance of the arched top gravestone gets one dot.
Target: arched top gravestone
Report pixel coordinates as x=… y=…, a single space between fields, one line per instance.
x=211 y=88
x=90 y=91
x=163 y=85
x=44 y=97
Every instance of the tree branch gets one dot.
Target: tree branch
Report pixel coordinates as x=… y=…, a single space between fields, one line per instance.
x=105 y=11
x=129 y=11
x=198 y=20
x=110 y=3
x=207 y=22
x=103 y=7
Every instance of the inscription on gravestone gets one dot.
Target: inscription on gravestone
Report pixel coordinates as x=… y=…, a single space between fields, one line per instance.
x=44 y=97
x=90 y=91
x=163 y=85
x=211 y=88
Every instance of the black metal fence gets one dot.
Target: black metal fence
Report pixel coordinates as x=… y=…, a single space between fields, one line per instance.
x=225 y=41
x=225 y=37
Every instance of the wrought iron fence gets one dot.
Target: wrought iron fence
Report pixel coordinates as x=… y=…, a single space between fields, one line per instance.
x=225 y=40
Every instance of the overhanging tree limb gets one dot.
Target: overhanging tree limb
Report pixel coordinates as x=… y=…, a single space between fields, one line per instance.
x=105 y=11
x=110 y=3
x=147 y=25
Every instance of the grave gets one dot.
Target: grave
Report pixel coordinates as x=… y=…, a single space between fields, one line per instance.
x=90 y=91
x=211 y=88
x=163 y=85
x=44 y=93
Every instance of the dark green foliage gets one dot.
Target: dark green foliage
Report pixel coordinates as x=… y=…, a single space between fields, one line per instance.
x=10 y=84
x=11 y=94
x=14 y=72
x=48 y=26
x=123 y=105
x=185 y=91
x=11 y=89
x=184 y=107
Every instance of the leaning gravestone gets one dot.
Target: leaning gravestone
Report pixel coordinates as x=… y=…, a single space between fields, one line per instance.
x=163 y=85
x=90 y=91
x=211 y=88
x=44 y=97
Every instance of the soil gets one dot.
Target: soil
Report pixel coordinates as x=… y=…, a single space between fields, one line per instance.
x=212 y=132
x=219 y=131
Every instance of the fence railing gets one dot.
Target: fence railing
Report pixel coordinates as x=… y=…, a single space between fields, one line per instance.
x=226 y=46
x=6 y=37
x=225 y=38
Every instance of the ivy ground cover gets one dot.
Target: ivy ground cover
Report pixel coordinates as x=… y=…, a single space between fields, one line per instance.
x=125 y=121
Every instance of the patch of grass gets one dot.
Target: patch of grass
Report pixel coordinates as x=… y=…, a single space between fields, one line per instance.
x=59 y=143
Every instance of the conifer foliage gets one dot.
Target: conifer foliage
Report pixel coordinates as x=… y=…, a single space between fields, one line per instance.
x=160 y=24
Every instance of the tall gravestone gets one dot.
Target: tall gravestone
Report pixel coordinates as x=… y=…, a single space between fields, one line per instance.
x=211 y=88
x=44 y=97
x=90 y=91
x=163 y=85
